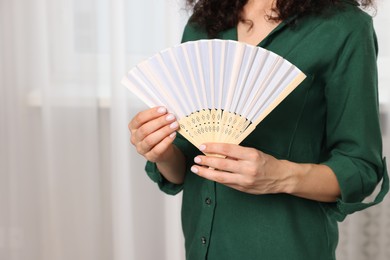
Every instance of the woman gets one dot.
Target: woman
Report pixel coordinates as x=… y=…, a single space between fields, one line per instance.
x=280 y=193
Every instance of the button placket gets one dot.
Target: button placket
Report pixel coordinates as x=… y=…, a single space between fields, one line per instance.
x=209 y=204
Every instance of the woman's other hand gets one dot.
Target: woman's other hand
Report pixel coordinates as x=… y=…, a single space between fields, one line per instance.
x=152 y=133
x=252 y=171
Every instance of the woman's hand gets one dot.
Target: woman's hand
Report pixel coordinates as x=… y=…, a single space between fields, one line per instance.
x=252 y=171
x=152 y=133
x=244 y=169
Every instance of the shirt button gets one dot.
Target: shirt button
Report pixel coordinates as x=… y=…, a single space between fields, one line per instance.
x=207 y=201
x=203 y=240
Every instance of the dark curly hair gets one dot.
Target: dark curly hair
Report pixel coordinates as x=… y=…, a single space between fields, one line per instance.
x=218 y=15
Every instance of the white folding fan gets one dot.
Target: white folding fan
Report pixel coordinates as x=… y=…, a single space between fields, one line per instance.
x=220 y=90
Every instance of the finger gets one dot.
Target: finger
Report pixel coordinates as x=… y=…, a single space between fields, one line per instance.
x=154 y=125
x=229 y=150
x=222 y=177
x=158 y=151
x=232 y=180
x=146 y=116
x=223 y=164
x=154 y=138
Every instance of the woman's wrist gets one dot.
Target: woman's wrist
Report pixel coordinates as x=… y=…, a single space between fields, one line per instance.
x=172 y=167
x=290 y=176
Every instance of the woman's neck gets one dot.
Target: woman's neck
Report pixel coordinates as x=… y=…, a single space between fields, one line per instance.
x=256 y=24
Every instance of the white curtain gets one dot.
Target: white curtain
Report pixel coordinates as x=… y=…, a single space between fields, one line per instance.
x=71 y=186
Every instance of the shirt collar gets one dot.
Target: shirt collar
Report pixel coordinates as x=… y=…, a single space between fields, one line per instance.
x=232 y=32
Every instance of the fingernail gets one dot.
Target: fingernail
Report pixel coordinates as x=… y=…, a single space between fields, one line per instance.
x=162 y=110
x=197 y=160
x=174 y=125
x=202 y=147
x=194 y=169
x=172 y=135
x=170 y=117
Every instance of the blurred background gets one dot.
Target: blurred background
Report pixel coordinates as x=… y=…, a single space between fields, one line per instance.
x=71 y=186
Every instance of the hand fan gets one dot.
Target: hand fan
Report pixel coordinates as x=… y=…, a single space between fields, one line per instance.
x=219 y=90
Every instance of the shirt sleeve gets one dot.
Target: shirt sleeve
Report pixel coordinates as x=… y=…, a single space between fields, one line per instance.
x=164 y=185
x=353 y=135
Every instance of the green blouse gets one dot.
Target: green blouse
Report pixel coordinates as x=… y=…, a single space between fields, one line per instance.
x=331 y=118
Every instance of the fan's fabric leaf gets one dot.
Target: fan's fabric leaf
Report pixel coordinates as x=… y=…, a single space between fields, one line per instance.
x=218 y=89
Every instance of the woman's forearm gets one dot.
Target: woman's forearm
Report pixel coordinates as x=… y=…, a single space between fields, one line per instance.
x=312 y=181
